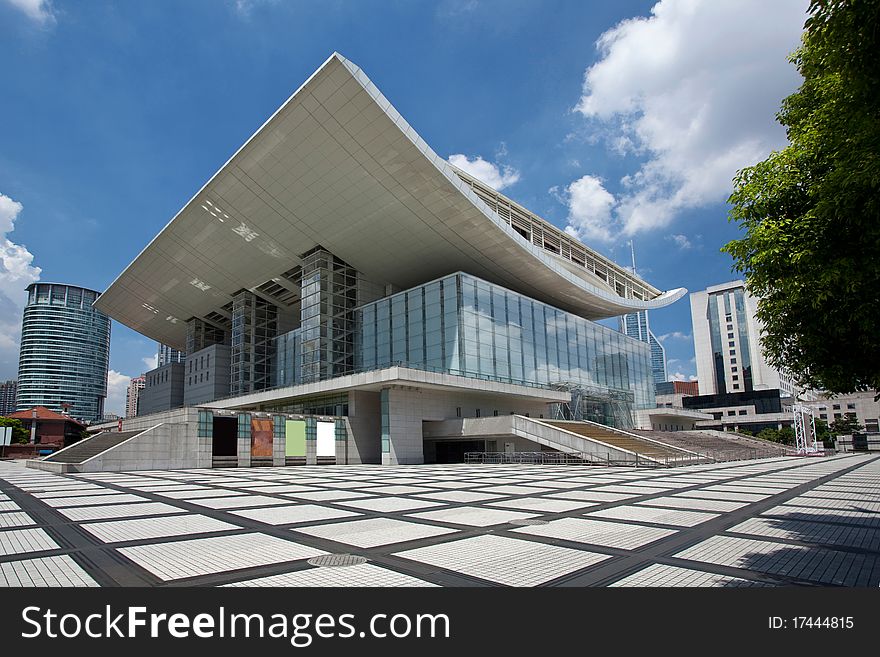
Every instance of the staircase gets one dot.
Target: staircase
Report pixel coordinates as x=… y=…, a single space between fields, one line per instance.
x=626 y=440
x=90 y=447
x=721 y=446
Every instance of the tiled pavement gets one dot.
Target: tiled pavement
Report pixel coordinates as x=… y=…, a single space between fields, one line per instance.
x=773 y=522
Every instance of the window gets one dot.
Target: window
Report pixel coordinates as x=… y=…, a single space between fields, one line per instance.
x=836 y=407
x=733 y=360
x=733 y=352
x=823 y=408
x=190 y=381
x=730 y=336
x=458 y=411
x=734 y=369
x=851 y=407
x=495 y=413
x=478 y=413
x=736 y=386
x=730 y=327
x=823 y=416
x=736 y=377
x=731 y=344
x=837 y=416
x=852 y=415
x=731 y=412
x=742 y=412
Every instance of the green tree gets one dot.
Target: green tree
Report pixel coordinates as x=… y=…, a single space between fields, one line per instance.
x=824 y=434
x=785 y=436
x=769 y=434
x=811 y=212
x=19 y=433
x=845 y=426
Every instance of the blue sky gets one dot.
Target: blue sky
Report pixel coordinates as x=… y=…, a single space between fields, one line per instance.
x=617 y=121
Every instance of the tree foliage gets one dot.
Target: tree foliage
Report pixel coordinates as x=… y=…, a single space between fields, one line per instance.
x=845 y=426
x=811 y=212
x=19 y=433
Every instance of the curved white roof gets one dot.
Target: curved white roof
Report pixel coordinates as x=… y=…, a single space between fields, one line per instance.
x=337 y=166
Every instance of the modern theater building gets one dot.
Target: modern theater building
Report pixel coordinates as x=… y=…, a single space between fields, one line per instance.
x=337 y=270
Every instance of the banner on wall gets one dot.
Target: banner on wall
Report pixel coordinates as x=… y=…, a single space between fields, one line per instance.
x=326 y=439
x=261 y=437
x=295 y=438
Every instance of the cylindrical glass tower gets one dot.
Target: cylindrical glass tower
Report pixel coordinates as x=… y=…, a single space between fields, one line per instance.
x=65 y=351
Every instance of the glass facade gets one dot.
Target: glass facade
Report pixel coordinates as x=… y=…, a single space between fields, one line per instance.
x=65 y=351
x=466 y=326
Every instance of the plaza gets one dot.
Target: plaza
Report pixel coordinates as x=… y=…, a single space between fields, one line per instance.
x=768 y=522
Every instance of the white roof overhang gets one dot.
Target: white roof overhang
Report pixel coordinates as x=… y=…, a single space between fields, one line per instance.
x=337 y=166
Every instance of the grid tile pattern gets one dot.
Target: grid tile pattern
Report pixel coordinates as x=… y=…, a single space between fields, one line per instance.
x=146 y=528
x=361 y=575
x=673 y=576
x=200 y=556
x=44 y=571
x=216 y=526
x=374 y=531
x=509 y=561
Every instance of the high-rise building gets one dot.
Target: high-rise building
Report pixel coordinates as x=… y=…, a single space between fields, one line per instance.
x=136 y=384
x=726 y=342
x=168 y=354
x=635 y=325
x=8 y=391
x=65 y=351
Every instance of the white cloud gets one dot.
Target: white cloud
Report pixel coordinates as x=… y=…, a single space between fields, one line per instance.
x=117 y=387
x=694 y=88
x=38 y=10
x=680 y=376
x=681 y=241
x=16 y=273
x=152 y=362
x=589 y=209
x=675 y=335
x=497 y=176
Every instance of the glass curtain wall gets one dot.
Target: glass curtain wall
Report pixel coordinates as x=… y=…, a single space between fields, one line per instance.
x=463 y=325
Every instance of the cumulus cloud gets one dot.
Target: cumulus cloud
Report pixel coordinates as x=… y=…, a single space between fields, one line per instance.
x=117 y=387
x=16 y=273
x=152 y=362
x=675 y=335
x=693 y=89
x=589 y=209
x=497 y=176
x=680 y=376
x=38 y=10
x=681 y=241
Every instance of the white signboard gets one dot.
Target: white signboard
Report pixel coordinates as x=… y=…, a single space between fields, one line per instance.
x=5 y=436
x=326 y=439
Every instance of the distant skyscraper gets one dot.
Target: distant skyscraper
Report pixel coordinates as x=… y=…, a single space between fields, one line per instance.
x=169 y=355
x=635 y=325
x=726 y=342
x=7 y=396
x=65 y=351
x=131 y=396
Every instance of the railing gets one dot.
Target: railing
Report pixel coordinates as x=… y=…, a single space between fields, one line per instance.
x=611 y=459
x=582 y=458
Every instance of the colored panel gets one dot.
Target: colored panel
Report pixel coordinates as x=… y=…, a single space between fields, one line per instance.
x=261 y=437
x=326 y=439
x=295 y=438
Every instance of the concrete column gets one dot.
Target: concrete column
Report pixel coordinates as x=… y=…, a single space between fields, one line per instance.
x=279 y=442
x=311 y=441
x=341 y=442
x=244 y=440
x=402 y=441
